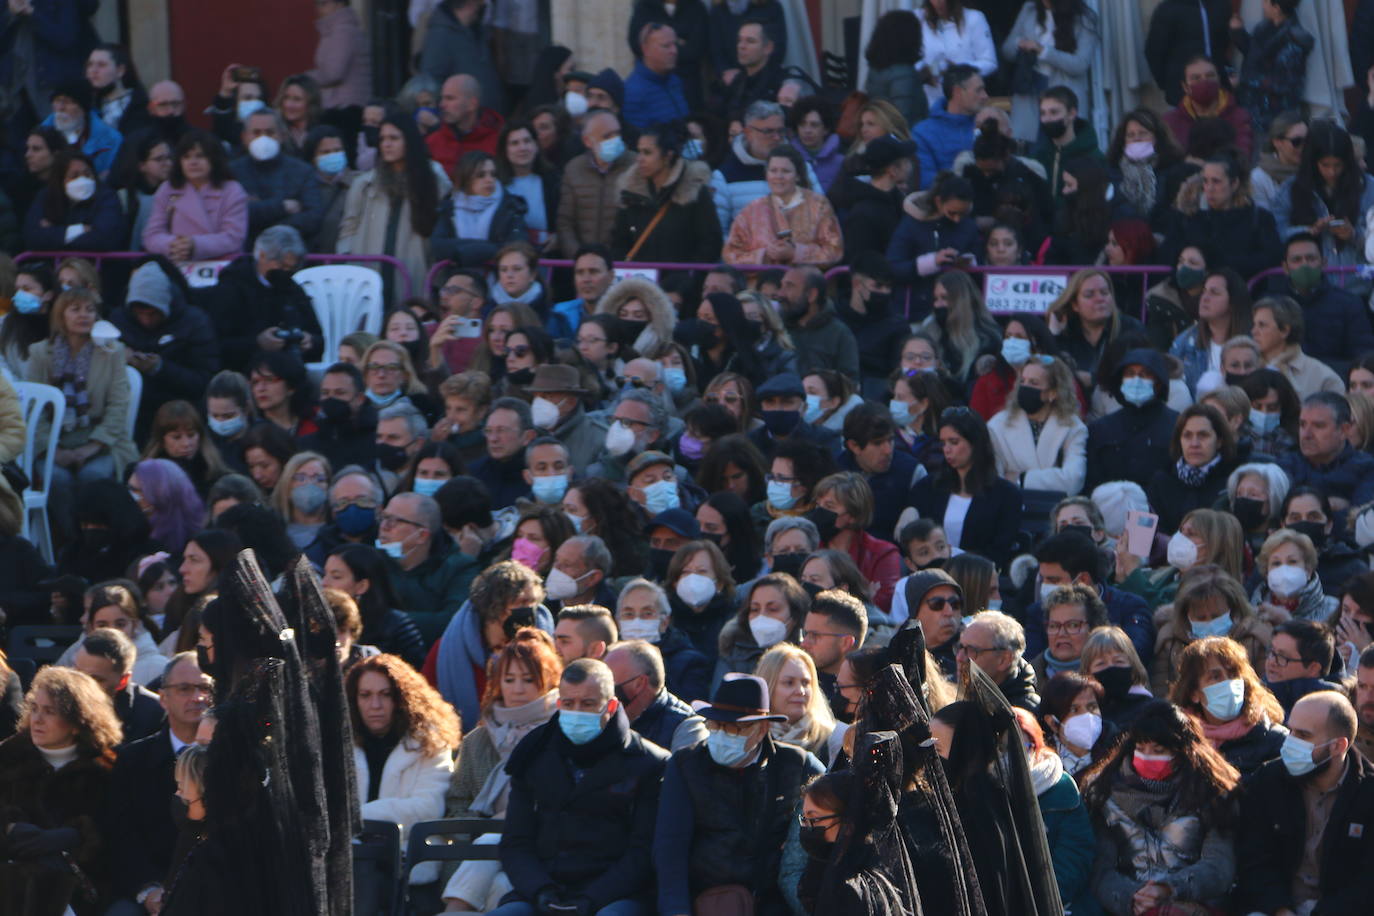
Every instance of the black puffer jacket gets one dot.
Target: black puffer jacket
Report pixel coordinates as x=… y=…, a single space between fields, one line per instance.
x=1133 y=442
x=581 y=817
x=1255 y=748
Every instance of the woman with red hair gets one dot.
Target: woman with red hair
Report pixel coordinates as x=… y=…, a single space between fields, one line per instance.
x=1130 y=242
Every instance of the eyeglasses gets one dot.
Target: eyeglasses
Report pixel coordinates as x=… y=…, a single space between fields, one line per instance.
x=817 y=634
x=974 y=651
x=1295 y=141
x=1072 y=627
x=186 y=690
x=383 y=367
x=816 y=821
x=940 y=602
x=633 y=382
x=636 y=425
x=1282 y=660
x=391 y=521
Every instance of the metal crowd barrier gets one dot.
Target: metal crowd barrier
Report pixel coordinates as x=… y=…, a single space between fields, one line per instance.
x=204 y=273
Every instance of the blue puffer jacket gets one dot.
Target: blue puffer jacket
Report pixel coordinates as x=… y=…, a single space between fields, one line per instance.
x=939 y=139
x=101 y=144
x=1069 y=830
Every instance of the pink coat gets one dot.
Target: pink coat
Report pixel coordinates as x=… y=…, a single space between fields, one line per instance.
x=815 y=231
x=214 y=219
x=343 y=63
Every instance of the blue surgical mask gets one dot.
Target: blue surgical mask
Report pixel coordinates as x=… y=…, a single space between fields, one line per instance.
x=549 y=490
x=1296 y=755
x=1264 y=423
x=661 y=496
x=331 y=163
x=813 y=408
x=227 y=428
x=1016 y=351
x=611 y=149
x=25 y=302
x=692 y=149
x=901 y=413
x=675 y=377
x=726 y=749
x=427 y=486
x=780 y=495
x=1217 y=626
x=579 y=727
x=576 y=521
x=1224 y=699
x=248 y=106
x=394 y=549
x=383 y=400
x=1138 y=391
x=994 y=604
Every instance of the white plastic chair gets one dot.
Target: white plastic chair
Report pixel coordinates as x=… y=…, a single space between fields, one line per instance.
x=346 y=298
x=34 y=400
x=135 y=397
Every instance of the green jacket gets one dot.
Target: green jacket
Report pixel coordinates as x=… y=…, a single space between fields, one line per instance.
x=1054 y=158
x=1069 y=831
x=434 y=591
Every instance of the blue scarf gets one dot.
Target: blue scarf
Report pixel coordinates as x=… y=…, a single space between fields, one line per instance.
x=460 y=650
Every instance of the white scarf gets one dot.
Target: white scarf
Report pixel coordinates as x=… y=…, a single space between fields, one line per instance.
x=501 y=297
x=472 y=215
x=506 y=726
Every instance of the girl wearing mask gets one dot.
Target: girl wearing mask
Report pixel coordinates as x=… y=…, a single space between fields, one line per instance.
x=1070 y=708
x=179 y=434
x=301 y=496
x=701 y=594
x=724 y=518
x=229 y=413
x=1023 y=338
x=1141 y=154
x=199 y=212
x=1039 y=441
x=435 y=465
x=918 y=401
x=1289 y=585
x=1210 y=602
x=28 y=320
x=390 y=377
x=1171 y=305
x=324 y=148
x=480 y=217
x=643 y=612
x=830 y=397
x=960 y=324
x=1239 y=717
x=402 y=326
x=1274 y=410
x=1109 y=657
x=772 y=613
x=843 y=512
x=75 y=212
x=794 y=691
x=539 y=533
x=521 y=694
x=1161 y=807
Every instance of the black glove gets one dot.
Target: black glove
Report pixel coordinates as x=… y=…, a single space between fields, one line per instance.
x=29 y=842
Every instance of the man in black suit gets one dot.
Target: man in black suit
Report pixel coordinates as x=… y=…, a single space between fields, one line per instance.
x=108 y=656
x=141 y=829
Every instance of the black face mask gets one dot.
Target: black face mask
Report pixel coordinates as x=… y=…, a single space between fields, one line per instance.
x=1235 y=378
x=941 y=316
x=1316 y=531
x=1029 y=399
x=278 y=277
x=372 y=136
x=814 y=842
x=1116 y=681
x=1249 y=512
x=824 y=520
x=658 y=563
x=713 y=538
x=519 y=617
x=335 y=411
x=391 y=457
x=633 y=328
x=98 y=538
x=170 y=126
x=790 y=563
x=1084 y=530
x=1054 y=129
x=781 y=422
x=878 y=303
x=181 y=814
x=812 y=589
x=521 y=376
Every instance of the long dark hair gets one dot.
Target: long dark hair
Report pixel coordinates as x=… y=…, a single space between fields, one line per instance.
x=132 y=155
x=366 y=562
x=743 y=551
x=896 y=40
x=1088 y=213
x=1205 y=779
x=1326 y=139
x=56 y=206
x=1067 y=15
x=970 y=426
x=504 y=171
x=210 y=148
x=23 y=331
x=1167 y=151
x=422 y=188
x=954 y=12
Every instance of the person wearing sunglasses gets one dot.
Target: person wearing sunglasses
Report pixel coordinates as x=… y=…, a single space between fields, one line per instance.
x=937 y=604
x=1279 y=159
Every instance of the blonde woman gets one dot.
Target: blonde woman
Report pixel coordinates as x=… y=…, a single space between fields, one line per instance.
x=1289 y=585
x=642 y=304
x=1210 y=602
x=301 y=496
x=1109 y=657
x=390 y=375
x=794 y=691
x=1084 y=319
x=775 y=348
x=966 y=330
x=1204 y=536
x=1040 y=442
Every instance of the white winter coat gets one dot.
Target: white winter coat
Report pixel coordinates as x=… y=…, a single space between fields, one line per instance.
x=1058 y=461
x=412 y=790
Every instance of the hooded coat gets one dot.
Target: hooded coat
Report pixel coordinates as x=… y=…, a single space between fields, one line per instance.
x=662 y=314
x=1132 y=443
x=689 y=230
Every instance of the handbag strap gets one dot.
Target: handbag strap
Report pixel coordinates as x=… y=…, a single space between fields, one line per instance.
x=648 y=230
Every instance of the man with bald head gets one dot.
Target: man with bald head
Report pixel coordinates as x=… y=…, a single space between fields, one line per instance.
x=429 y=575
x=465 y=124
x=1305 y=839
x=167 y=111
x=591 y=185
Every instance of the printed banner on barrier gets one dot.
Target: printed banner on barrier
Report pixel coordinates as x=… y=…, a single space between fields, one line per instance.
x=1022 y=292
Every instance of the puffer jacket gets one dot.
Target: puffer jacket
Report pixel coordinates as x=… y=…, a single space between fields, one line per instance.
x=589 y=200
x=689 y=230
x=921 y=234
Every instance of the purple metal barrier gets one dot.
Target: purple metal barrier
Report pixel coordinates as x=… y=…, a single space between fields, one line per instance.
x=552 y=263
x=100 y=256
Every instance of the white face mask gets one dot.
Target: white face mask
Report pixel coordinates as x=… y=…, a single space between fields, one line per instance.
x=767 y=631
x=695 y=589
x=1286 y=580
x=575 y=103
x=1182 y=552
x=560 y=586
x=80 y=189
x=264 y=148
x=619 y=439
x=640 y=628
x=1083 y=730
x=544 y=412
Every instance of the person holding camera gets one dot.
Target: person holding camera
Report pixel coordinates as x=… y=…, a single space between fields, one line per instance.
x=257 y=306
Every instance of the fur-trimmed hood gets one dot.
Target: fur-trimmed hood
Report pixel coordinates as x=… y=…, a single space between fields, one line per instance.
x=662 y=315
x=687 y=179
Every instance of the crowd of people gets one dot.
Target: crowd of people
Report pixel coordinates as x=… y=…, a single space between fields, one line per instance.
x=754 y=586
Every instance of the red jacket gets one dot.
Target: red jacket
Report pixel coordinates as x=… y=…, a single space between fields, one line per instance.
x=446 y=146
x=880 y=563
x=1182 y=119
